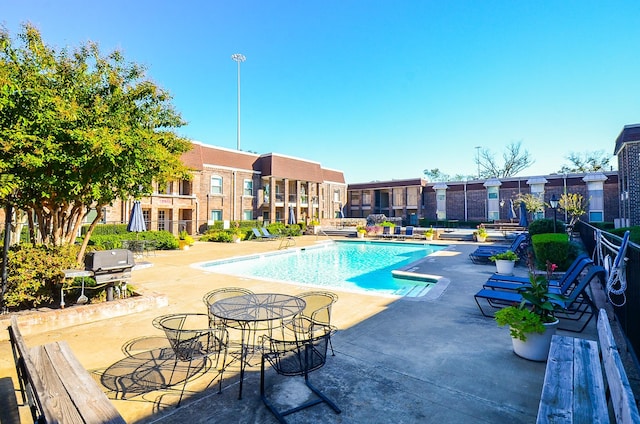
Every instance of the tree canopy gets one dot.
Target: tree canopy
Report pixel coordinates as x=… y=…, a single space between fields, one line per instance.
x=79 y=130
x=586 y=162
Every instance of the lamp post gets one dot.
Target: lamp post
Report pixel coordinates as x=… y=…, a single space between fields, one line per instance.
x=478 y=158
x=237 y=57
x=554 y=205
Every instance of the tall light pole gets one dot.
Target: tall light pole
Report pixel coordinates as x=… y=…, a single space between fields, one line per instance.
x=478 y=158
x=238 y=58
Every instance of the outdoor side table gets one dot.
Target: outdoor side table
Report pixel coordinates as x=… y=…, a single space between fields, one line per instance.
x=246 y=311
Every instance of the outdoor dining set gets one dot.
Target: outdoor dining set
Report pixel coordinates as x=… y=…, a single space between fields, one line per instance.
x=290 y=333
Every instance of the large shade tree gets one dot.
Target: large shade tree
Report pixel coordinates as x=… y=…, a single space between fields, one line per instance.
x=78 y=130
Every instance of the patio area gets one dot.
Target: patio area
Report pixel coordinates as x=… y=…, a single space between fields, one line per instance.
x=433 y=359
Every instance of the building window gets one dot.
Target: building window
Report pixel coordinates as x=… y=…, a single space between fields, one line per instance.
x=248 y=187
x=596 y=216
x=164 y=188
x=216 y=215
x=161 y=220
x=247 y=215
x=336 y=195
x=216 y=184
x=146 y=215
x=366 y=198
x=185 y=188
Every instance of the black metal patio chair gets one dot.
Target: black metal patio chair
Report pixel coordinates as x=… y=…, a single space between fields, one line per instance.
x=298 y=355
x=192 y=341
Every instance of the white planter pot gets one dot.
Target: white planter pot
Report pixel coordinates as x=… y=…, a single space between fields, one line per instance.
x=536 y=347
x=505 y=267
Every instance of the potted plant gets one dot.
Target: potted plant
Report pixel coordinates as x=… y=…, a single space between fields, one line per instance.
x=532 y=323
x=429 y=233
x=505 y=262
x=184 y=240
x=481 y=233
x=361 y=231
x=314 y=226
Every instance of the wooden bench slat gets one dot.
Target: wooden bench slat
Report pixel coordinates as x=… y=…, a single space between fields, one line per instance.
x=589 y=403
x=622 y=399
x=52 y=394
x=83 y=390
x=556 y=400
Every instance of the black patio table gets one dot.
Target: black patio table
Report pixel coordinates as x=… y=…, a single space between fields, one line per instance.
x=245 y=312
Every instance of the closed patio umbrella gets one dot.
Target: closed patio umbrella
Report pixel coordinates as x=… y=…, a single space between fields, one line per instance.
x=136 y=219
x=292 y=216
x=523 y=215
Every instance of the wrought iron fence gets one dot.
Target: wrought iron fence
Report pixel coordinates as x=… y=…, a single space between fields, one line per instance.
x=628 y=313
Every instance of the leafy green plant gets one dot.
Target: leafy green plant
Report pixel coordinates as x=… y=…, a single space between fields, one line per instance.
x=481 y=230
x=536 y=308
x=34 y=274
x=509 y=255
x=520 y=321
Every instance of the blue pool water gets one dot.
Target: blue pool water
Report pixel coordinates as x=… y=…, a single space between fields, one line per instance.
x=351 y=266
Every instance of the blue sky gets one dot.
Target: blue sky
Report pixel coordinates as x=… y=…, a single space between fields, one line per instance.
x=377 y=89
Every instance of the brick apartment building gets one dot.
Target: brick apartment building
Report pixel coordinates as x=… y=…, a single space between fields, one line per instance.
x=628 y=151
x=480 y=200
x=230 y=185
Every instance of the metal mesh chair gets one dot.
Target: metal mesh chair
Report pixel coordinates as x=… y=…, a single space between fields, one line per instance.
x=316 y=314
x=224 y=293
x=214 y=295
x=298 y=355
x=192 y=340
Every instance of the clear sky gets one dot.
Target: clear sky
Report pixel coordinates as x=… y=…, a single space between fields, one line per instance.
x=377 y=89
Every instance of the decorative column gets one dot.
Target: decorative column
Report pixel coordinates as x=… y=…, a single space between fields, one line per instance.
x=595 y=194
x=441 y=201
x=493 y=198
x=536 y=186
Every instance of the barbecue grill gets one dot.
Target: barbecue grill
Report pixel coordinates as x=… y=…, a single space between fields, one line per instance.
x=110 y=267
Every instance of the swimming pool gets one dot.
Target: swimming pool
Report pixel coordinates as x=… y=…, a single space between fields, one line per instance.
x=351 y=266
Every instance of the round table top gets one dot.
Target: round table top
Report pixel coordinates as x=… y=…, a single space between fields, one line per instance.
x=257 y=307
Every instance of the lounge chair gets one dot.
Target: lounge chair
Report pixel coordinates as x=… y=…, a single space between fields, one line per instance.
x=502 y=282
x=482 y=254
x=577 y=301
x=257 y=234
x=397 y=232
x=386 y=232
x=267 y=235
x=409 y=231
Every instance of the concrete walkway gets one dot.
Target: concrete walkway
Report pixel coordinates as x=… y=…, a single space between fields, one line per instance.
x=430 y=360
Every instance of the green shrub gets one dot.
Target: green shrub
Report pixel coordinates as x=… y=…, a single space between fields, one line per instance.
x=219 y=236
x=33 y=274
x=543 y=226
x=554 y=248
x=105 y=229
x=163 y=240
x=634 y=233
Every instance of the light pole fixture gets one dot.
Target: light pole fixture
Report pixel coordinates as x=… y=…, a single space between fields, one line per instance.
x=478 y=158
x=238 y=58
x=554 y=205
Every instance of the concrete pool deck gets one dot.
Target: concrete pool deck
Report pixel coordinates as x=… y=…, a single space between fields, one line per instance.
x=430 y=360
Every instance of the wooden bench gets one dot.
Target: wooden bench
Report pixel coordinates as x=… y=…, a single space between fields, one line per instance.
x=56 y=386
x=574 y=389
